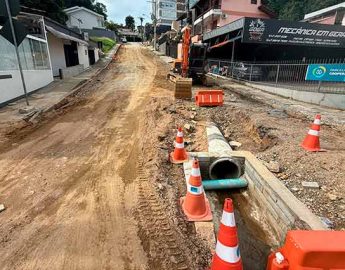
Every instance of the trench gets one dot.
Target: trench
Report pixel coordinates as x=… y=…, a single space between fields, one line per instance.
x=255 y=243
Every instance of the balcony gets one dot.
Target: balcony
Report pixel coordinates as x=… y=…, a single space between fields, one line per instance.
x=213 y=13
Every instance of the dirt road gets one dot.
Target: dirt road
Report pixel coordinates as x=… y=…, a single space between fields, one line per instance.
x=70 y=186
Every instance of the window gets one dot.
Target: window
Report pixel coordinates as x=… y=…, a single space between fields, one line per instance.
x=33 y=55
x=254 y=2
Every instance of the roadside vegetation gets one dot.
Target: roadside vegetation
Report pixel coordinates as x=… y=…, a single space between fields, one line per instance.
x=108 y=43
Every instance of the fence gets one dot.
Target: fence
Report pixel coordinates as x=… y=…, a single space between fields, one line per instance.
x=288 y=74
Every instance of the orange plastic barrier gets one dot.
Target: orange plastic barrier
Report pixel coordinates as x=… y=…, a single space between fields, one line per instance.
x=209 y=98
x=306 y=250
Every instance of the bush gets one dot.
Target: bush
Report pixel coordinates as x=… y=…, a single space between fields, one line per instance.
x=108 y=43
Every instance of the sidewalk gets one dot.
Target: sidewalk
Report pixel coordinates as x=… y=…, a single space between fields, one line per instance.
x=331 y=117
x=44 y=99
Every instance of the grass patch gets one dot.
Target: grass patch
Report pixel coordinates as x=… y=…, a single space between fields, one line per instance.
x=108 y=43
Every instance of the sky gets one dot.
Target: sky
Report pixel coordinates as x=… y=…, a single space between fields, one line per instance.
x=118 y=10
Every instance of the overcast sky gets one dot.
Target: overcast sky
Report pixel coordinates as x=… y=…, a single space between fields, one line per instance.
x=118 y=10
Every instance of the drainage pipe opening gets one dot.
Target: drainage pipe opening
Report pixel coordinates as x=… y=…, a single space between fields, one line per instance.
x=225 y=168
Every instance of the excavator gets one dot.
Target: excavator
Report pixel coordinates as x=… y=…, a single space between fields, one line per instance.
x=190 y=68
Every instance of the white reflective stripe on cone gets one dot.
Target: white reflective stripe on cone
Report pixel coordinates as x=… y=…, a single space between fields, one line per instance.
x=228 y=254
x=195 y=190
x=195 y=172
x=313 y=132
x=228 y=219
x=317 y=122
x=179 y=134
x=211 y=98
x=179 y=145
x=218 y=98
x=203 y=98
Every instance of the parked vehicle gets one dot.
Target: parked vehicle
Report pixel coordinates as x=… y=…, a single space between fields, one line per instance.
x=124 y=40
x=247 y=72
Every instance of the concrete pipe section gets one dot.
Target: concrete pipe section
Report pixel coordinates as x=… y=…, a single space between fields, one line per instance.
x=225 y=168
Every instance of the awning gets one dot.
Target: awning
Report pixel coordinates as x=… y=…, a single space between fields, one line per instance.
x=65 y=36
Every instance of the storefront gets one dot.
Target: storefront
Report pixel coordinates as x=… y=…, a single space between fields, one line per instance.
x=253 y=39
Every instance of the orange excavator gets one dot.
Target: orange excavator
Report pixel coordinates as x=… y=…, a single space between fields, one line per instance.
x=190 y=67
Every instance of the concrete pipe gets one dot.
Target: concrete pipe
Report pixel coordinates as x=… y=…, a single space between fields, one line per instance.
x=225 y=168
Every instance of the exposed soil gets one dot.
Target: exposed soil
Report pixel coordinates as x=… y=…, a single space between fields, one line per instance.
x=82 y=186
x=273 y=135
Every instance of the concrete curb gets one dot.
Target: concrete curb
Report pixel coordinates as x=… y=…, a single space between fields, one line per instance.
x=75 y=91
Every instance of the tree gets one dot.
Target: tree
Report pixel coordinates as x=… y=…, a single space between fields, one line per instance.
x=53 y=8
x=113 y=26
x=130 y=22
x=101 y=9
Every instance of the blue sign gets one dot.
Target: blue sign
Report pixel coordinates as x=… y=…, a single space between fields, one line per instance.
x=326 y=72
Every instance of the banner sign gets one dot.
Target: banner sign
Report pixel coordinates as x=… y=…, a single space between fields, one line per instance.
x=326 y=72
x=281 y=32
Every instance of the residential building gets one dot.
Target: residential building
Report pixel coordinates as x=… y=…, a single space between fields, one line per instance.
x=68 y=50
x=34 y=57
x=180 y=8
x=211 y=14
x=330 y=15
x=83 y=18
x=166 y=13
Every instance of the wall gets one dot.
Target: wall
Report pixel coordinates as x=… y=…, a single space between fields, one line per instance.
x=83 y=55
x=327 y=20
x=88 y=19
x=96 y=55
x=71 y=71
x=57 y=53
x=12 y=88
x=336 y=101
x=237 y=9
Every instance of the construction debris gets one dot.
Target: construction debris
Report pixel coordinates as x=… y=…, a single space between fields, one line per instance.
x=235 y=144
x=311 y=185
x=2 y=208
x=273 y=166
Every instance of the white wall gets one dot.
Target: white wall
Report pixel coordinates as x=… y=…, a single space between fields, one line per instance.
x=57 y=53
x=89 y=20
x=83 y=55
x=12 y=88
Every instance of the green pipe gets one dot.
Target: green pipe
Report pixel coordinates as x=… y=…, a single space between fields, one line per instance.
x=224 y=184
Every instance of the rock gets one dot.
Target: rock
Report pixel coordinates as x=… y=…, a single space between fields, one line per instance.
x=295 y=189
x=193 y=115
x=283 y=176
x=2 y=208
x=332 y=197
x=161 y=138
x=311 y=185
x=232 y=98
x=188 y=127
x=235 y=144
x=273 y=166
x=193 y=109
x=26 y=110
x=298 y=175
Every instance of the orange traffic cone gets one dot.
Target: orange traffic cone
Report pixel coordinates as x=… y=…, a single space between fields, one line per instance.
x=227 y=256
x=179 y=155
x=312 y=141
x=317 y=123
x=195 y=205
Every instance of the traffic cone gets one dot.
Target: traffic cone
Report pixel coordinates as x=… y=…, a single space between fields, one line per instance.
x=195 y=205
x=312 y=140
x=179 y=155
x=317 y=123
x=227 y=256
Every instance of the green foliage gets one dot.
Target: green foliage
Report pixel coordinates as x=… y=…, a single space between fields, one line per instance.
x=53 y=8
x=296 y=9
x=130 y=22
x=113 y=26
x=108 y=43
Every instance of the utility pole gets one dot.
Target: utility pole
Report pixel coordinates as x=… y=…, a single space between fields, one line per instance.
x=17 y=51
x=155 y=25
x=154 y=20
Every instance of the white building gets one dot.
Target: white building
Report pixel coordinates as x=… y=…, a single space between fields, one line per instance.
x=83 y=18
x=166 y=11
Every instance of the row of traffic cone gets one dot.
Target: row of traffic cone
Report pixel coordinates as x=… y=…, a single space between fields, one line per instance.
x=196 y=207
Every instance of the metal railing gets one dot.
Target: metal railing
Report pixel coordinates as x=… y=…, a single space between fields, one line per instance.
x=286 y=74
